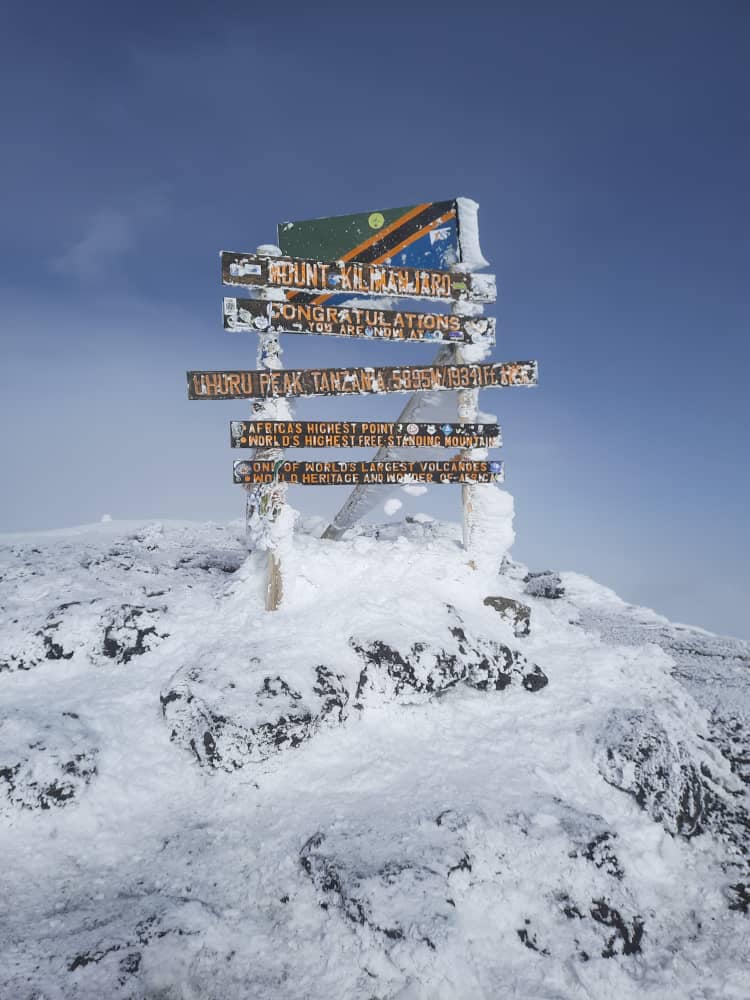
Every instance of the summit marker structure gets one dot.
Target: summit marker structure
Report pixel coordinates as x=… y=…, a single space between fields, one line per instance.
x=321 y=280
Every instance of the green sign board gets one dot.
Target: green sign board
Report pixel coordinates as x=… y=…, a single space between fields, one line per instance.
x=424 y=235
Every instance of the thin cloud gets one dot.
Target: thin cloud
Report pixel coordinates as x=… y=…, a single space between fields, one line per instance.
x=108 y=235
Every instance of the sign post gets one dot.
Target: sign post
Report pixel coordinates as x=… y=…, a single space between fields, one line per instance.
x=266 y=501
x=468 y=408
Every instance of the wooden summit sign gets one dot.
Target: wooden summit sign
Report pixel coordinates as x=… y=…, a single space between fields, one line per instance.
x=381 y=473
x=359 y=434
x=353 y=321
x=353 y=278
x=347 y=381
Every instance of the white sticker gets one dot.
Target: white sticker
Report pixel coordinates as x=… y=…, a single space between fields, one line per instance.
x=238 y=268
x=439 y=235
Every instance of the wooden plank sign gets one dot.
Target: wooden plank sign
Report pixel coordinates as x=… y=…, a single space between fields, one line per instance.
x=348 y=381
x=359 y=434
x=380 y=473
x=353 y=278
x=350 y=321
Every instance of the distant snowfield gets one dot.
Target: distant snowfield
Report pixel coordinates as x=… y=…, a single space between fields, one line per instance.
x=379 y=791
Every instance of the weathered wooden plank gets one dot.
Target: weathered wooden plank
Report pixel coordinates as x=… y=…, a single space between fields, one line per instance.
x=351 y=321
x=360 y=434
x=352 y=381
x=380 y=473
x=354 y=278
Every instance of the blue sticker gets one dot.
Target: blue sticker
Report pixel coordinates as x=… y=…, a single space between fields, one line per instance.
x=447 y=428
x=496 y=466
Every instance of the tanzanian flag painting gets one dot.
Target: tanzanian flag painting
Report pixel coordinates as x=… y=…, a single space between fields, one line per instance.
x=434 y=235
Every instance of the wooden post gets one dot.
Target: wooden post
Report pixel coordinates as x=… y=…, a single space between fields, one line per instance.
x=266 y=503
x=468 y=409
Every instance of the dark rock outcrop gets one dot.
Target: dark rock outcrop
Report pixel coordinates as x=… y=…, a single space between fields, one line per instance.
x=544 y=584
x=100 y=632
x=228 y=719
x=130 y=630
x=679 y=786
x=513 y=611
x=433 y=668
x=44 y=762
x=638 y=756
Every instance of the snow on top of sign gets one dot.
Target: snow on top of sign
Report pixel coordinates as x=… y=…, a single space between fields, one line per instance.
x=468 y=235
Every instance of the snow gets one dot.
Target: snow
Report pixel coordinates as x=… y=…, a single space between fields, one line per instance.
x=468 y=231
x=392 y=506
x=409 y=832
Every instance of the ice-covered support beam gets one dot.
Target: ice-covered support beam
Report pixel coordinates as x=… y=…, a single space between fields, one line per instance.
x=268 y=518
x=364 y=497
x=468 y=408
x=472 y=259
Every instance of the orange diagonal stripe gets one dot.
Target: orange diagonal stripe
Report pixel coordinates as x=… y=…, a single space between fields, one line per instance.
x=414 y=236
x=320 y=299
x=352 y=254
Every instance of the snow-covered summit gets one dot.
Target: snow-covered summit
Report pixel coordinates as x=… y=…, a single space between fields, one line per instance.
x=386 y=789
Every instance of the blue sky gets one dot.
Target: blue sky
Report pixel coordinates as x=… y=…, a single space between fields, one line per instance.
x=607 y=145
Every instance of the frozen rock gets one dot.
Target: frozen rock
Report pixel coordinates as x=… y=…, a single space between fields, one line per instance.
x=130 y=630
x=513 y=611
x=674 y=780
x=91 y=630
x=433 y=667
x=544 y=584
x=45 y=761
x=230 y=717
x=399 y=891
x=637 y=755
